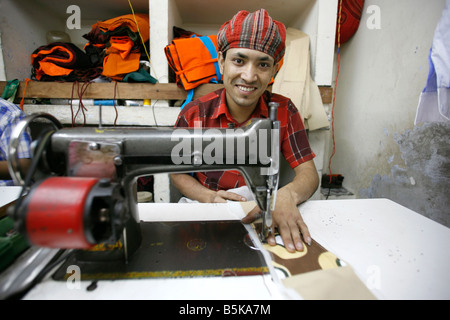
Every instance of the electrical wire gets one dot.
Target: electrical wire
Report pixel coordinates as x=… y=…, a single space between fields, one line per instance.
x=81 y=106
x=114 y=103
x=153 y=110
x=335 y=85
x=142 y=40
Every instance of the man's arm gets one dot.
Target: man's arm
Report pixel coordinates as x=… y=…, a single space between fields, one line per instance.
x=194 y=190
x=286 y=216
x=4 y=173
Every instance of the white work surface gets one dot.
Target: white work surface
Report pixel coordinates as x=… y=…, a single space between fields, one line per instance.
x=9 y=194
x=396 y=252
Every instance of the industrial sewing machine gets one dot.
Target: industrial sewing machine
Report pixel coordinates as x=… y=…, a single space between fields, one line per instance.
x=79 y=191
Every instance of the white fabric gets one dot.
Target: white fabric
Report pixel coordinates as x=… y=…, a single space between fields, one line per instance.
x=242 y=191
x=434 y=103
x=295 y=82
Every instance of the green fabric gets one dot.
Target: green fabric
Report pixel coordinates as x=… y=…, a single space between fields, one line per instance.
x=139 y=76
x=12 y=244
x=10 y=90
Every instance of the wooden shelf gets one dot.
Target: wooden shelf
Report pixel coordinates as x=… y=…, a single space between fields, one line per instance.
x=123 y=90
x=133 y=115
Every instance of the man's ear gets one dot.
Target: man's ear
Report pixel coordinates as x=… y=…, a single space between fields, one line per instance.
x=276 y=68
x=221 y=60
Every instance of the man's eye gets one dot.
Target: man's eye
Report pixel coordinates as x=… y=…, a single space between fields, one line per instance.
x=238 y=61
x=265 y=65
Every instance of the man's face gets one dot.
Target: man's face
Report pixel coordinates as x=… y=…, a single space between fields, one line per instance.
x=246 y=75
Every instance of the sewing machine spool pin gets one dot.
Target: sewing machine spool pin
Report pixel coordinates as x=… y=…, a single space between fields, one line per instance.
x=100 y=120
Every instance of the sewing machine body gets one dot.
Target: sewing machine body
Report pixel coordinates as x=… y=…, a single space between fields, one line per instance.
x=116 y=157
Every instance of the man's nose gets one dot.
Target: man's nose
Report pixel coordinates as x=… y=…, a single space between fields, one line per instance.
x=249 y=73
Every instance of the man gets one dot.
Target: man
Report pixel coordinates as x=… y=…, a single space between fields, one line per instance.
x=251 y=46
x=10 y=115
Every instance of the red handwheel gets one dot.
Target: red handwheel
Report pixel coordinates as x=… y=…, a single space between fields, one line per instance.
x=55 y=213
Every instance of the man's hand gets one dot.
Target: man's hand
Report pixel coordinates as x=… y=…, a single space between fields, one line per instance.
x=290 y=224
x=288 y=220
x=191 y=188
x=222 y=196
x=286 y=216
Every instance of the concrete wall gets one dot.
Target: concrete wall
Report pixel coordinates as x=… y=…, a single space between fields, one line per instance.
x=24 y=26
x=383 y=71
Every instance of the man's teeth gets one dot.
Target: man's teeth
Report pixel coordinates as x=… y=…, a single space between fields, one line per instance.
x=246 y=89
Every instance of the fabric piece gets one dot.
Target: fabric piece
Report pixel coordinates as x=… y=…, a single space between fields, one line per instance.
x=350 y=18
x=57 y=61
x=316 y=273
x=115 y=67
x=313 y=257
x=256 y=31
x=434 y=101
x=116 y=45
x=10 y=90
x=192 y=61
x=330 y=284
x=121 y=25
x=123 y=45
x=140 y=75
x=210 y=111
x=294 y=81
x=120 y=59
x=10 y=116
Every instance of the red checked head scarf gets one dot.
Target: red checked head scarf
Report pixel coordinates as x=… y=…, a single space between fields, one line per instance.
x=257 y=31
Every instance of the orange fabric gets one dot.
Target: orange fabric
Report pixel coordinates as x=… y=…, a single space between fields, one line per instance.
x=122 y=44
x=280 y=64
x=24 y=93
x=98 y=45
x=191 y=61
x=128 y=21
x=115 y=67
x=50 y=51
x=46 y=65
x=119 y=59
x=51 y=70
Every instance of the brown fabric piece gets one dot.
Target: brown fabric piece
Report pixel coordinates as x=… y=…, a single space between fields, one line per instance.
x=315 y=273
x=331 y=284
x=314 y=257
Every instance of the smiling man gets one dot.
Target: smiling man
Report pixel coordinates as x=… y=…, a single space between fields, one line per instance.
x=251 y=46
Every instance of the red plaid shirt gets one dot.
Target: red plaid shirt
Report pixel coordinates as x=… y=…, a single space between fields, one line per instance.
x=211 y=110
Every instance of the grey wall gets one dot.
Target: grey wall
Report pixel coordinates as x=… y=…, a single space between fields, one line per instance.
x=423 y=182
x=378 y=149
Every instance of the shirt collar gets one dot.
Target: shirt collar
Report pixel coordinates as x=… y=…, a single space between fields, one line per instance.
x=261 y=111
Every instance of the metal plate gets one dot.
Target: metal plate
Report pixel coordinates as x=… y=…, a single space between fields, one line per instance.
x=175 y=249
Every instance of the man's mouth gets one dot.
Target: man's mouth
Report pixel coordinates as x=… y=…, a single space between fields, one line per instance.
x=246 y=89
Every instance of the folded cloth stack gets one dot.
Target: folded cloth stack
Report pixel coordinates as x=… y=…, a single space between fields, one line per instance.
x=115 y=50
x=119 y=40
x=62 y=61
x=194 y=60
